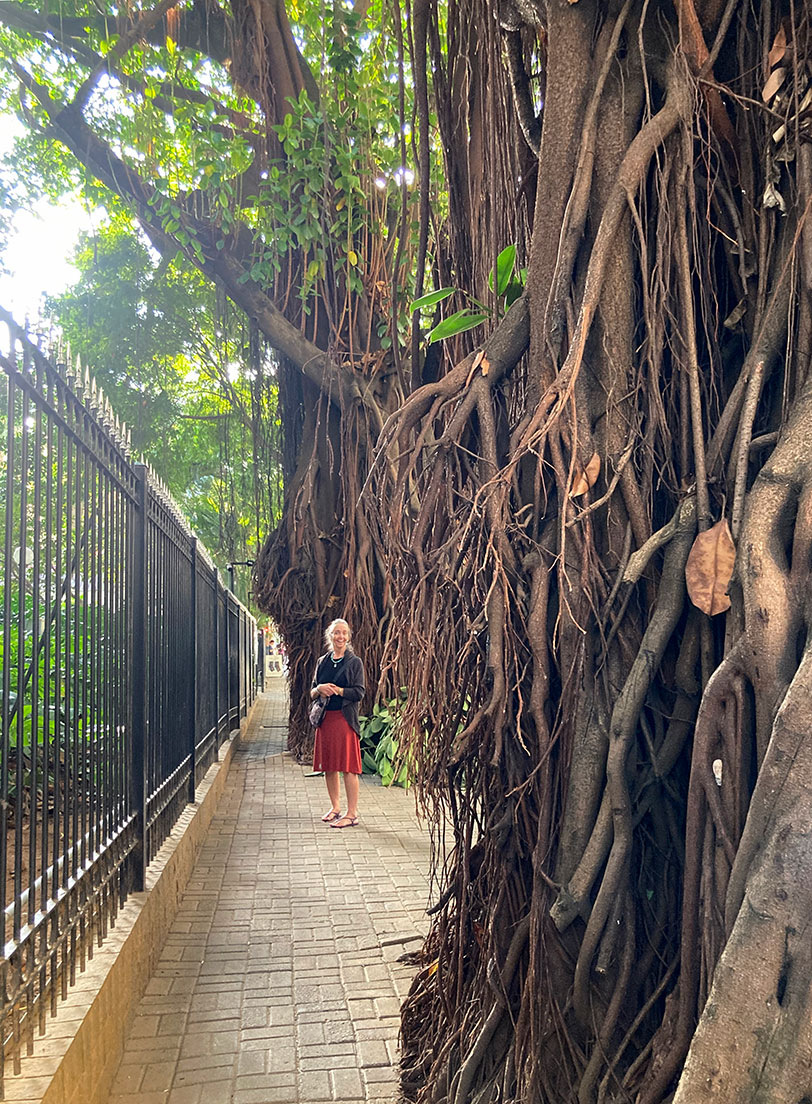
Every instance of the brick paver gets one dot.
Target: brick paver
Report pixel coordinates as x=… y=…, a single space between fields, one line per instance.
x=279 y=982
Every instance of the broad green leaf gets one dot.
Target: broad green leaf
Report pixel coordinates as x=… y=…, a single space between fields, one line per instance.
x=456 y=323
x=513 y=292
x=431 y=298
x=504 y=269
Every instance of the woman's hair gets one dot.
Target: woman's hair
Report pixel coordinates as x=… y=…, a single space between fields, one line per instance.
x=328 y=635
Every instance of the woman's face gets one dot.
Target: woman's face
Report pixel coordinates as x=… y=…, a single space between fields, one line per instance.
x=340 y=637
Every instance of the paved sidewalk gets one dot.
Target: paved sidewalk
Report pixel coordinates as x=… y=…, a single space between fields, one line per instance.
x=279 y=981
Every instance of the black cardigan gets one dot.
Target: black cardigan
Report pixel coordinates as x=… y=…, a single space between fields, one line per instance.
x=350 y=678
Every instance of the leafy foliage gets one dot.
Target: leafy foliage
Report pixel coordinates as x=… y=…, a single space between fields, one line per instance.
x=508 y=289
x=380 y=747
x=186 y=377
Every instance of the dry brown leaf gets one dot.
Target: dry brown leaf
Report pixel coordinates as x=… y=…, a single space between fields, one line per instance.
x=774 y=82
x=585 y=477
x=778 y=48
x=486 y=366
x=710 y=567
x=736 y=315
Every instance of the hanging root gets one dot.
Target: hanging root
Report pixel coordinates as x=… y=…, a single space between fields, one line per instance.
x=537 y=514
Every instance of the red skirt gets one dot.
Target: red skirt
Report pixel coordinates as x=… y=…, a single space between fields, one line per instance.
x=337 y=746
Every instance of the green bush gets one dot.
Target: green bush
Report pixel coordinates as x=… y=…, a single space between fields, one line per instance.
x=379 y=744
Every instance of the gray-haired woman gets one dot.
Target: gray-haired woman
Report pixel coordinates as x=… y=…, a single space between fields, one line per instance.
x=339 y=677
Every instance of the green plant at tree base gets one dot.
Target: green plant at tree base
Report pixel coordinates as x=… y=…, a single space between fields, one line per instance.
x=379 y=745
x=508 y=290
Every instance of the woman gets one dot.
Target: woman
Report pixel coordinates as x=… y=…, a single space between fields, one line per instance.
x=339 y=678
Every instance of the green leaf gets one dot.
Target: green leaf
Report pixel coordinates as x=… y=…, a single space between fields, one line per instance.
x=456 y=323
x=432 y=298
x=513 y=292
x=504 y=269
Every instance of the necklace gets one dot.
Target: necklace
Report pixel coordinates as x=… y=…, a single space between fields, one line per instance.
x=335 y=662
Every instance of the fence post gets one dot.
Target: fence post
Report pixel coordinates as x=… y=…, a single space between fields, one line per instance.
x=244 y=668
x=194 y=687
x=216 y=659
x=228 y=661
x=138 y=781
x=238 y=656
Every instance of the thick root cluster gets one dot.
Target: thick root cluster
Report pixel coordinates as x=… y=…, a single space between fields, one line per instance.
x=601 y=752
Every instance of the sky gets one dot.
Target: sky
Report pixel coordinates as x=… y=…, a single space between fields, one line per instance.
x=37 y=256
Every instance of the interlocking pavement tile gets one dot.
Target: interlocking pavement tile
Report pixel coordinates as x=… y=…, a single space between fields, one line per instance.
x=200 y=1063
x=346 y=1083
x=315 y=1085
x=310 y=1033
x=264 y=1095
x=128 y=1080
x=139 y=1098
x=387 y=1006
x=372 y=1052
x=254 y=1017
x=380 y=1075
x=185 y=1094
x=325 y=1059
x=211 y=1021
x=158 y=1075
x=252 y=1062
x=145 y=1026
x=281 y=1059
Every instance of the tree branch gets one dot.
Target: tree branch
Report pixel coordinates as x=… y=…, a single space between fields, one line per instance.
x=230 y=271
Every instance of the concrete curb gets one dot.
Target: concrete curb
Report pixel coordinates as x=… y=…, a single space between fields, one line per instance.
x=77 y=1058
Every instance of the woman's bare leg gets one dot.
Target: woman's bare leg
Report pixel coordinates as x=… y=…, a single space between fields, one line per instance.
x=333 y=789
x=352 y=786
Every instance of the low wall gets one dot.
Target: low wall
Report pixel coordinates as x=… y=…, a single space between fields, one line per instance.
x=77 y=1058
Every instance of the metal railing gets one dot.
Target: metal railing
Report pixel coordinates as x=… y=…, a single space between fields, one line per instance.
x=124 y=664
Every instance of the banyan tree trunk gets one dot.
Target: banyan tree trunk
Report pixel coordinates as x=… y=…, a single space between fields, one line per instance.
x=613 y=726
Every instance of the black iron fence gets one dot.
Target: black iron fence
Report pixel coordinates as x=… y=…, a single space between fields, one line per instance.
x=124 y=664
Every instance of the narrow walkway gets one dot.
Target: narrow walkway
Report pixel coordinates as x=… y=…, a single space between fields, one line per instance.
x=279 y=981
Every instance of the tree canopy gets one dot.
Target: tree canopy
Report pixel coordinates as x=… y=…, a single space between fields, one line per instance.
x=565 y=501
x=188 y=377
